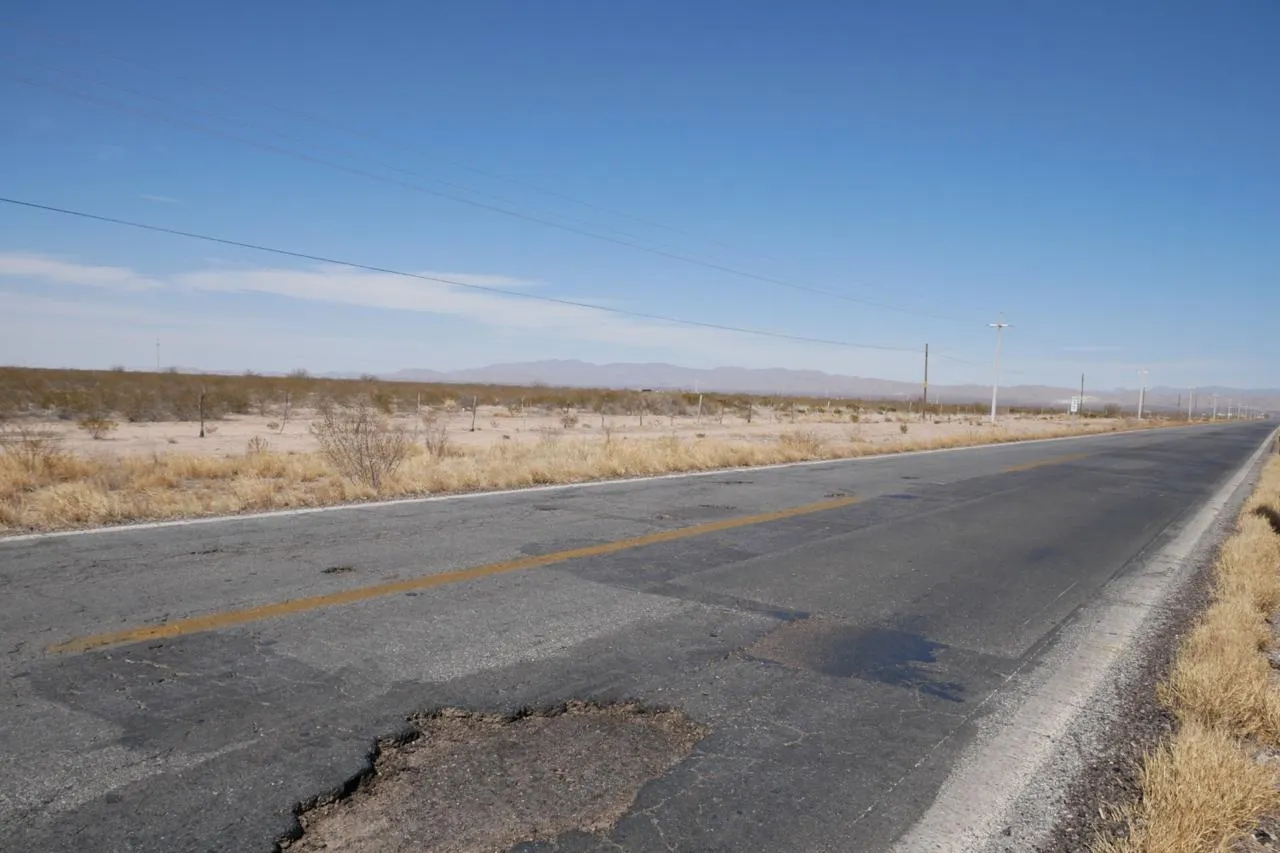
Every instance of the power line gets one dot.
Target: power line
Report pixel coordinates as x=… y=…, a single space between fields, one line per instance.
x=337 y=149
x=342 y=128
x=472 y=202
x=440 y=280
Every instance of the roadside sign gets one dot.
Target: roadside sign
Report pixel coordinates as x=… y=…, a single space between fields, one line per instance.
x=1075 y=404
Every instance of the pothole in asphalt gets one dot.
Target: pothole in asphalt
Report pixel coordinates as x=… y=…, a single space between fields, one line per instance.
x=466 y=783
x=832 y=648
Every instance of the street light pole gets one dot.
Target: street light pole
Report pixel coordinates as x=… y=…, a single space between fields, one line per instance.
x=1142 y=391
x=999 y=325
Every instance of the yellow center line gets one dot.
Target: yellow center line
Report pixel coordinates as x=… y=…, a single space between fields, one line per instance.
x=1057 y=460
x=228 y=618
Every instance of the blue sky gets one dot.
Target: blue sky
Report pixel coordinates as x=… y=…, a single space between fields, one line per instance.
x=1103 y=173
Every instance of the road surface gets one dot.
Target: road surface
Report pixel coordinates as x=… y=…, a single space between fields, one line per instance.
x=842 y=630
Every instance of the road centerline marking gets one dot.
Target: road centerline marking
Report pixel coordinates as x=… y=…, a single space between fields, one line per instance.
x=229 y=618
x=1041 y=463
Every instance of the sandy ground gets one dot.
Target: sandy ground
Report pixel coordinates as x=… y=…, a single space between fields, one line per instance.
x=230 y=436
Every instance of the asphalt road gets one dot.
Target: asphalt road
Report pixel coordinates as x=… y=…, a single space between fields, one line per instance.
x=839 y=629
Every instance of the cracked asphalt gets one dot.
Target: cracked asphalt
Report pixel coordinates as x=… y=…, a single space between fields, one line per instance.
x=841 y=659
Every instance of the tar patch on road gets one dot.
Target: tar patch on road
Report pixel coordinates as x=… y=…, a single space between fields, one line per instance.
x=467 y=782
x=897 y=658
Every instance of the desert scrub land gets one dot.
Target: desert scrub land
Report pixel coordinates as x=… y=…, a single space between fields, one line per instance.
x=79 y=448
x=1214 y=785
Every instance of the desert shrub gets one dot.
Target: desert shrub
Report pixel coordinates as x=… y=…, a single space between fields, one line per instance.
x=903 y=428
x=384 y=401
x=361 y=443
x=569 y=420
x=97 y=426
x=802 y=441
x=34 y=448
x=435 y=435
x=257 y=445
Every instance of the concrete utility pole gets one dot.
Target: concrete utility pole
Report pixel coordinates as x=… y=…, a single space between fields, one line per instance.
x=999 y=325
x=1191 y=402
x=1142 y=390
x=1081 y=411
x=1214 y=417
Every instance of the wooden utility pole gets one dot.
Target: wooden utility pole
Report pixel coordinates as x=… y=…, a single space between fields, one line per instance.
x=924 y=400
x=202 y=411
x=1081 y=409
x=475 y=404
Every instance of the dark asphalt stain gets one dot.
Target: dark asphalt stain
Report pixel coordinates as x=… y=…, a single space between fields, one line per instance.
x=547 y=508
x=205 y=552
x=900 y=496
x=1041 y=553
x=338 y=570
x=884 y=655
x=890 y=657
x=909 y=477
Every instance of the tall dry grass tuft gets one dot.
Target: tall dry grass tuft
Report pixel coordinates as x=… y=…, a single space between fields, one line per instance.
x=1200 y=792
x=1204 y=788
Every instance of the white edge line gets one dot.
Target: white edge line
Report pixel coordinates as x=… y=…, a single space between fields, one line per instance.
x=591 y=484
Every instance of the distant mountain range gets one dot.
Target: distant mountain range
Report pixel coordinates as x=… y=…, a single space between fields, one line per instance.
x=810 y=383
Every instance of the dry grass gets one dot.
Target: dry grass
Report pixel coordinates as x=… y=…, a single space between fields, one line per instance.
x=1200 y=792
x=1205 y=788
x=48 y=489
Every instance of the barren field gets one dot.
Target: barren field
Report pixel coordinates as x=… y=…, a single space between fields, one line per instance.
x=494 y=425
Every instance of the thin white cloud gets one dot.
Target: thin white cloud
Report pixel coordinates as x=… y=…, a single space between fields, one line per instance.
x=525 y=328
x=158 y=199
x=344 y=286
x=42 y=268
x=394 y=292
